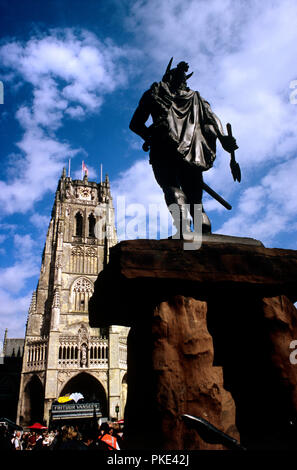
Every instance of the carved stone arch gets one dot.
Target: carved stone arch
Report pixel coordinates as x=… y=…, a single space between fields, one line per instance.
x=33 y=400
x=83 y=284
x=77 y=250
x=29 y=377
x=80 y=293
x=90 y=386
x=90 y=251
x=63 y=377
x=66 y=375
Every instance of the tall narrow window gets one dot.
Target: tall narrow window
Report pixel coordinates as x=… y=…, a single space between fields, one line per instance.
x=91 y=261
x=78 y=224
x=82 y=290
x=77 y=259
x=92 y=222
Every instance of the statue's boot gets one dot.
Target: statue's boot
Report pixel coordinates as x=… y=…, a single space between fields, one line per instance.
x=206 y=224
x=176 y=203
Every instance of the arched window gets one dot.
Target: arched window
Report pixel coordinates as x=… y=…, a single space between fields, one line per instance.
x=77 y=259
x=78 y=224
x=92 y=223
x=82 y=290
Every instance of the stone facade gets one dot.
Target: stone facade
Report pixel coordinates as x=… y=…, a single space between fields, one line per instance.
x=62 y=353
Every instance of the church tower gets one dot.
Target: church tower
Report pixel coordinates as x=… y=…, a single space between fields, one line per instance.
x=62 y=353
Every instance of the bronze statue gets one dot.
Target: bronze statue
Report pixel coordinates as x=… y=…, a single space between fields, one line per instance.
x=182 y=141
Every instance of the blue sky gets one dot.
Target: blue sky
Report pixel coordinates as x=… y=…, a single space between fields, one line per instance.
x=73 y=72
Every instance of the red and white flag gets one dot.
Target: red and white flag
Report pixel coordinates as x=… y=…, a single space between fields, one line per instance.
x=84 y=168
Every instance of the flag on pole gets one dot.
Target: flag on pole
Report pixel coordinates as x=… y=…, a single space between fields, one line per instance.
x=84 y=168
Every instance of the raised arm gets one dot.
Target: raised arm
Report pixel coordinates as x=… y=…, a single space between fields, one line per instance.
x=140 y=117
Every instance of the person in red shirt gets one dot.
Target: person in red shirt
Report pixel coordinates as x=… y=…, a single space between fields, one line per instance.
x=108 y=438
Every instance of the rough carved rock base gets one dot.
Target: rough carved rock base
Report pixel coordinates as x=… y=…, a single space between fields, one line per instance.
x=171 y=372
x=211 y=334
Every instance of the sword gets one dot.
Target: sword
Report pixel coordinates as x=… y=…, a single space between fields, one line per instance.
x=216 y=196
x=210 y=433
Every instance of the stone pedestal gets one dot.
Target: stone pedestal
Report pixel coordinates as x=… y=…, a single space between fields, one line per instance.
x=170 y=373
x=210 y=336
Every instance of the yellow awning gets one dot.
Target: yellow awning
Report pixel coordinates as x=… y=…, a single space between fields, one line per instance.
x=64 y=399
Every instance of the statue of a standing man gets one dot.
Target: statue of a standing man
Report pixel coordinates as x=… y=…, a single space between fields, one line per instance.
x=181 y=140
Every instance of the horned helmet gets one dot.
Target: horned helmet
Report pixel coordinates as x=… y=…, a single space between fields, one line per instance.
x=177 y=76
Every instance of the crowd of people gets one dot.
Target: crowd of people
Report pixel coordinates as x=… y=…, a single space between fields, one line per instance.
x=108 y=436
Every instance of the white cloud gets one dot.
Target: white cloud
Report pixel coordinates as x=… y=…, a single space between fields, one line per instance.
x=85 y=67
x=143 y=198
x=40 y=221
x=14 y=301
x=14 y=277
x=137 y=184
x=13 y=312
x=268 y=209
x=70 y=73
x=75 y=112
x=39 y=171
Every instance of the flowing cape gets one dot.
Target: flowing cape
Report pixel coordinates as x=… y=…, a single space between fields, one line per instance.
x=189 y=121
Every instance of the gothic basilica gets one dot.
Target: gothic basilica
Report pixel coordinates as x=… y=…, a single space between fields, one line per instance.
x=62 y=353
